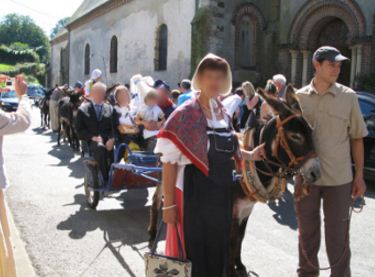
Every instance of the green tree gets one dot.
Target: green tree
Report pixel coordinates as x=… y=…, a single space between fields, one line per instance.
x=59 y=26
x=19 y=28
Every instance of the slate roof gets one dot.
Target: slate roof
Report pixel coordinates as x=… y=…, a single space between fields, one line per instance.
x=85 y=8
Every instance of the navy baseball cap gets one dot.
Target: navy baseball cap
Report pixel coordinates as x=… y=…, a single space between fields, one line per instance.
x=78 y=85
x=161 y=84
x=329 y=53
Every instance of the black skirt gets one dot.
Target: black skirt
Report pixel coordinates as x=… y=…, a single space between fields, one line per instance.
x=208 y=207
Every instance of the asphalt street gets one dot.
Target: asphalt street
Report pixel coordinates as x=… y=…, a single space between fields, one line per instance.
x=65 y=238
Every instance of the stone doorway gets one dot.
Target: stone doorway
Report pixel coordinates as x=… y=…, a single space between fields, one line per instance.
x=334 y=32
x=339 y=23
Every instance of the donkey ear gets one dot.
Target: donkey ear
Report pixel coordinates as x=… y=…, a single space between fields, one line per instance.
x=292 y=99
x=280 y=107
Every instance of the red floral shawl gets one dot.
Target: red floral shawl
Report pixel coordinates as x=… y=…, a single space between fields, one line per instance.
x=187 y=129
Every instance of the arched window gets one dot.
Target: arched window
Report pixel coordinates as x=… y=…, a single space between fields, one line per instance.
x=113 y=55
x=64 y=59
x=87 y=59
x=245 y=42
x=62 y=67
x=161 y=48
x=249 y=23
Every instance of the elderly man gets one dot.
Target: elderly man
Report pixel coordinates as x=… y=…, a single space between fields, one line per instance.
x=280 y=82
x=94 y=125
x=10 y=123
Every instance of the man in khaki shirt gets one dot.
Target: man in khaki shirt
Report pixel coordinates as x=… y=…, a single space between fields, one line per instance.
x=333 y=112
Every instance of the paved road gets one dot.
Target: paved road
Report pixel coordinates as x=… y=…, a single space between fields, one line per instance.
x=65 y=238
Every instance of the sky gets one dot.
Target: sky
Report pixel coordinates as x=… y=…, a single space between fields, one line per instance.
x=45 y=13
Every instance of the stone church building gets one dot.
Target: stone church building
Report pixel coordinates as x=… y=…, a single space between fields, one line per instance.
x=166 y=38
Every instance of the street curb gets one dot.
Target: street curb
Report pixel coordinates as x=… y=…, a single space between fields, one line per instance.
x=23 y=263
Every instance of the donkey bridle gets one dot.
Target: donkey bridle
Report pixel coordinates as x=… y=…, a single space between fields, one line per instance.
x=280 y=141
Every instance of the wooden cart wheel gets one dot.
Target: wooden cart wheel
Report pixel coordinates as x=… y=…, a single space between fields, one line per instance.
x=91 y=181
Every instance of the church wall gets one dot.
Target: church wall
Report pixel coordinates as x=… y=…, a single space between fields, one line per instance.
x=288 y=11
x=368 y=10
x=135 y=25
x=55 y=73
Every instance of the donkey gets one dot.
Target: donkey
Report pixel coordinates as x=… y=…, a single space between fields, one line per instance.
x=289 y=150
x=68 y=107
x=44 y=109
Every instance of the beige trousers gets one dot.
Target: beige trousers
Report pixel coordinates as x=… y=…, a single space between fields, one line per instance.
x=7 y=265
x=54 y=114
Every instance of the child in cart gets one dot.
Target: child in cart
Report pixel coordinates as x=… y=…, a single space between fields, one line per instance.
x=151 y=117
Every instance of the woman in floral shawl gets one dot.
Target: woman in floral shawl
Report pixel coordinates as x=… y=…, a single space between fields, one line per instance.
x=198 y=145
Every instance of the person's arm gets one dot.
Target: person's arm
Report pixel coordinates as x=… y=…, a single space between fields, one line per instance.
x=253 y=102
x=138 y=119
x=111 y=127
x=264 y=111
x=359 y=185
x=257 y=154
x=169 y=193
x=81 y=128
x=116 y=121
x=357 y=131
x=160 y=121
x=87 y=89
x=20 y=120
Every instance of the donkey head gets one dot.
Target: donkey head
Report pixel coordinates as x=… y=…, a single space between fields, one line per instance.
x=75 y=100
x=288 y=137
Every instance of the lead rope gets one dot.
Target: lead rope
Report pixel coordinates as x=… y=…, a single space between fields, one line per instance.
x=346 y=247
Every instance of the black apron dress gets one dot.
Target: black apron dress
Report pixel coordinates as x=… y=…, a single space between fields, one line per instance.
x=208 y=207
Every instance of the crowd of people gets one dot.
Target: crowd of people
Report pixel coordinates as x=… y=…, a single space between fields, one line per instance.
x=193 y=128
x=113 y=115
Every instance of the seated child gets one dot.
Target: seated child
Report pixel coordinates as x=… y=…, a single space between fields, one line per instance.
x=152 y=118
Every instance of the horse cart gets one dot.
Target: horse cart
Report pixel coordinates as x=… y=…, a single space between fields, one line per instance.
x=130 y=170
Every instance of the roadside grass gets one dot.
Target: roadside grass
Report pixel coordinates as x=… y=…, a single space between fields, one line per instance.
x=7 y=67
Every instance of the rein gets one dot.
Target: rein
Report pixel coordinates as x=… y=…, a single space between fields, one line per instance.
x=252 y=185
x=289 y=169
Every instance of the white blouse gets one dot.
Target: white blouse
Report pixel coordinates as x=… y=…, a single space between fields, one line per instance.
x=125 y=116
x=171 y=154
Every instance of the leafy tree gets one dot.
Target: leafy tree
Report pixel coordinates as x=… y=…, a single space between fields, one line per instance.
x=16 y=28
x=59 y=26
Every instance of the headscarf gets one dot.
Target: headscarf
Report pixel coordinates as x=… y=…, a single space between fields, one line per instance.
x=187 y=126
x=228 y=87
x=95 y=74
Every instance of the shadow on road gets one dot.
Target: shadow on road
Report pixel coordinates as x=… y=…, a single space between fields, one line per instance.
x=120 y=227
x=65 y=154
x=45 y=132
x=125 y=230
x=284 y=210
